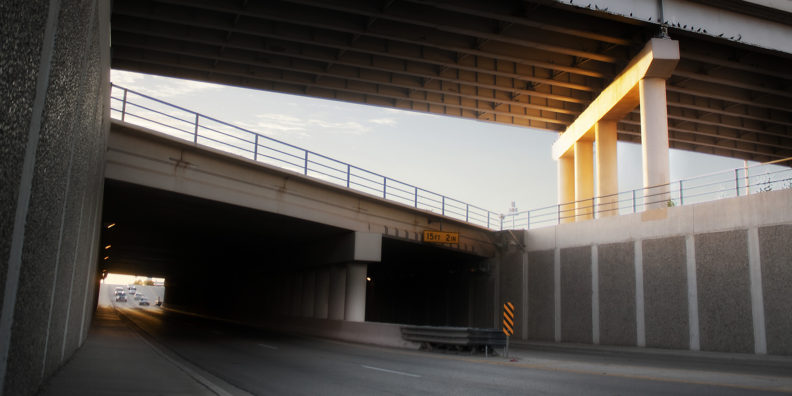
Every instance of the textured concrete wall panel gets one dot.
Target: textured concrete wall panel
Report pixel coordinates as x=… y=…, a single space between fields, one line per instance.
x=616 y=267
x=665 y=293
x=22 y=29
x=576 y=294
x=724 y=292
x=541 y=295
x=775 y=252
x=58 y=234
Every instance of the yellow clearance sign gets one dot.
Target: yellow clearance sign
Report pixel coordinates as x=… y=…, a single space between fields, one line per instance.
x=441 y=237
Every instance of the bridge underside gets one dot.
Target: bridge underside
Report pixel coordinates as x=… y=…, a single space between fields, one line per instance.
x=529 y=63
x=238 y=263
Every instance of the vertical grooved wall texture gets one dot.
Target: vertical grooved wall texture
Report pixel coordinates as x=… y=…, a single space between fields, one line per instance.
x=576 y=294
x=724 y=292
x=511 y=287
x=617 y=294
x=66 y=187
x=775 y=252
x=665 y=293
x=541 y=297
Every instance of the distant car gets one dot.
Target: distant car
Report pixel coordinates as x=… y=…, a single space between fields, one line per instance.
x=132 y=289
x=138 y=296
x=143 y=301
x=121 y=298
x=119 y=290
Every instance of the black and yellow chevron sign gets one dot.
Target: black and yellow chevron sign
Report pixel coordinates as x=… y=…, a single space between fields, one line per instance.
x=508 y=318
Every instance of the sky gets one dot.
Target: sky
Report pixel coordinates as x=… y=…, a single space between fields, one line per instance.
x=481 y=163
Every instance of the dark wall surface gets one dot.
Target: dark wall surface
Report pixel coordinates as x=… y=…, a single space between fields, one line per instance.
x=576 y=294
x=54 y=99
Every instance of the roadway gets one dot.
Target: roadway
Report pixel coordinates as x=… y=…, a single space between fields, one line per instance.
x=244 y=360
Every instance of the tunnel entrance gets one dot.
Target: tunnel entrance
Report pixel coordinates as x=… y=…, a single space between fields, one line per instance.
x=428 y=285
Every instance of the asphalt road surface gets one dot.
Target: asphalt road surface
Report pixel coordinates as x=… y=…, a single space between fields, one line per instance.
x=262 y=363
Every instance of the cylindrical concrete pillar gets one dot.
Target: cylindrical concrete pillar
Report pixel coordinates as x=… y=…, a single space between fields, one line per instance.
x=654 y=141
x=607 y=170
x=309 y=289
x=322 y=294
x=355 y=309
x=584 y=180
x=337 y=303
x=566 y=189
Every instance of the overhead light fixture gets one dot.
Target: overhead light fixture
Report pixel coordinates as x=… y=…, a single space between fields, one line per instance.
x=108 y=247
x=111 y=225
x=107 y=257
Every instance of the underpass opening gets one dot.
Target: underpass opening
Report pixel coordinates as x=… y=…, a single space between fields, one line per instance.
x=216 y=258
x=422 y=284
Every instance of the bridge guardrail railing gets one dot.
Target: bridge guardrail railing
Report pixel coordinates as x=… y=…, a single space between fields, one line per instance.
x=140 y=109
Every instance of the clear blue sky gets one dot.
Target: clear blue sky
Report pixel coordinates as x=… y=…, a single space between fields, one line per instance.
x=481 y=163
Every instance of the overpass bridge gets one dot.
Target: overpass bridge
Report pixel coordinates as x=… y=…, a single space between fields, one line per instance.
x=697 y=75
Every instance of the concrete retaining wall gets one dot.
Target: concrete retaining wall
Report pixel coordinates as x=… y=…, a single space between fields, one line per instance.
x=54 y=112
x=714 y=277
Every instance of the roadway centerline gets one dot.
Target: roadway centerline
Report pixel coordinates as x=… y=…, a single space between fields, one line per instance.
x=390 y=371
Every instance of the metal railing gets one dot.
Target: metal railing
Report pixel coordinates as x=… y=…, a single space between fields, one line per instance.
x=710 y=187
x=137 y=108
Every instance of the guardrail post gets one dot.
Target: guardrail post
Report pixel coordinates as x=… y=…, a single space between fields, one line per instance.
x=123 y=105
x=558 y=210
x=501 y=222
x=384 y=187
x=681 y=198
x=197 y=117
x=255 y=148
x=488 y=219
x=467 y=212
x=737 y=181
x=349 y=174
x=528 y=220
x=306 y=163
x=634 y=208
x=416 y=197
x=442 y=206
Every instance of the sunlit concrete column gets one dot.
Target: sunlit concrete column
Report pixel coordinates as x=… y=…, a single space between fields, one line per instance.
x=584 y=179
x=337 y=293
x=607 y=170
x=654 y=141
x=355 y=309
x=566 y=188
x=322 y=293
x=309 y=289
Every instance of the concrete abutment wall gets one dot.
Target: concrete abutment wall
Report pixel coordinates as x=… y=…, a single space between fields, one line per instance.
x=54 y=123
x=713 y=277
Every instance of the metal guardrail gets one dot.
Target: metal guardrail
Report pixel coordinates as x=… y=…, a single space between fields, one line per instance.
x=457 y=338
x=709 y=187
x=134 y=107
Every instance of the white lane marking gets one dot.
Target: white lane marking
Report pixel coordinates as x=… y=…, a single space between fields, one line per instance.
x=268 y=346
x=391 y=371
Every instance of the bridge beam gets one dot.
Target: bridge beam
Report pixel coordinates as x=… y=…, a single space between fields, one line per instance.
x=641 y=83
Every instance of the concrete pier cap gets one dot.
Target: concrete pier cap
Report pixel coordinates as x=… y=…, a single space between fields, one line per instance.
x=641 y=83
x=657 y=59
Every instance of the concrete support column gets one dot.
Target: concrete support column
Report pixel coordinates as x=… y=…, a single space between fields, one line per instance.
x=607 y=170
x=584 y=180
x=322 y=294
x=337 y=294
x=308 y=295
x=566 y=188
x=654 y=141
x=355 y=307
